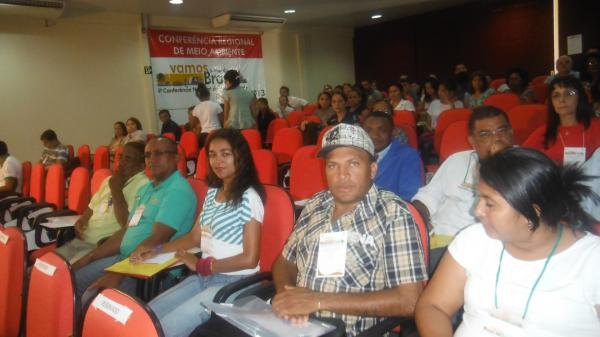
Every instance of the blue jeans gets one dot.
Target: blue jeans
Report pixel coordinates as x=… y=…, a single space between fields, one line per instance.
x=179 y=309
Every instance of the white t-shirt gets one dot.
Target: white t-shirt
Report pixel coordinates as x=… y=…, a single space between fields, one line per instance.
x=450 y=195
x=297 y=102
x=285 y=112
x=562 y=304
x=207 y=113
x=11 y=169
x=436 y=108
x=404 y=104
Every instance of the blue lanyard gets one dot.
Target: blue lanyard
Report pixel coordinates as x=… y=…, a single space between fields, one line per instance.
x=558 y=237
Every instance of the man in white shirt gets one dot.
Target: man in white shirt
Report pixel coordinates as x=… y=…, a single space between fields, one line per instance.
x=10 y=171
x=447 y=202
x=295 y=102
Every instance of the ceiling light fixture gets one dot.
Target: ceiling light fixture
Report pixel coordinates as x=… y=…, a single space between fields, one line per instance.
x=289 y=11
x=376 y=16
x=176 y=2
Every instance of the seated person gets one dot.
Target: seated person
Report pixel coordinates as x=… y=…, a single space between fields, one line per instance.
x=446 y=203
x=228 y=231
x=478 y=91
x=295 y=102
x=54 y=152
x=530 y=268
x=284 y=108
x=571 y=133
x=396 y=94
x=386 y=107
x=564 y=67
x=264 y=116
x=447 y=100
x=108 y=210
x=134 y=131
x=399 y=167
x=341 y=113
x=383 y=271
x=517 y=82
x=118 y=139
x=11 y=177
x=163 y=210
x=168 y=125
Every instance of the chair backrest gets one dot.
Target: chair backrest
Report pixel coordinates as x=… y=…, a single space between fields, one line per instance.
x=37 y=186
x=275 y=125
x=524 y=119
x=404 y=117
x=189 y=142
x=455 y=139
x=322 y=134
x=101 y=158
x=150 y=136
x=539 y=79
x=294 y=118
x=253 y=138
x=55 y=186
x=181 y=162
x=97 y=179
x=201 y=165
x=13 y=268
x=504 y=101
x=200 y=188
x=307 y=173
x=83 y=153
x=71 y=152
x=411 y=134
x=310 y=109
x=51 y=301
x=541 y=91
x=26 y=178
x=113 y=313
x=497 y=83
x=79 y=193
x=286 y=142
x=266 y=166
x=444 y=120
x=423 y=232
x=117 y=157
x=170 y=135
x=277 y=225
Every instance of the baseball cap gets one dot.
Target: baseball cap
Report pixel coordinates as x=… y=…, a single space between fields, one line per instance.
x=346 y=135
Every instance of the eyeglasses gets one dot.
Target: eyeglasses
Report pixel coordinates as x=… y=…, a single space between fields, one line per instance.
x=566 y=94
x=148 y=155
x=487 y=135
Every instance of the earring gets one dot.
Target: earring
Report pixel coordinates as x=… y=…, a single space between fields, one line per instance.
x=530 y=226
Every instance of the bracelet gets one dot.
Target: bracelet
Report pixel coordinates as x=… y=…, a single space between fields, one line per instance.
x=157 y=249
x=204 y=266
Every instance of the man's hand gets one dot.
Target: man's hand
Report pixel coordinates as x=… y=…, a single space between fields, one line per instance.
x=79 y=230
x=117 y=180
x=188 y=259
x=109 y=280
x=295 y=304
x=141 y=253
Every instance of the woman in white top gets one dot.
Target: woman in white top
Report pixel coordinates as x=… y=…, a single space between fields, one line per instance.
x=134 y=131
x=206 y=113
x=228 y=232
x=447 y=100
x=530 y=268
x=396 y=93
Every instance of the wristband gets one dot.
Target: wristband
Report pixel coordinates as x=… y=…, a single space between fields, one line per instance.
x=204 y=266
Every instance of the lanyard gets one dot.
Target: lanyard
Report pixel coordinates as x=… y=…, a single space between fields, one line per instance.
x=558 y=237
x=563 y=141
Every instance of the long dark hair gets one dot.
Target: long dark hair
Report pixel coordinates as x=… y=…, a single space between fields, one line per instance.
x=584 y=111
x=531 y=182
x=234 y=77
x=245 y=171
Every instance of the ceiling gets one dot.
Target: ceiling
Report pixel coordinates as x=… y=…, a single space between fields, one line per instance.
x=348 y=13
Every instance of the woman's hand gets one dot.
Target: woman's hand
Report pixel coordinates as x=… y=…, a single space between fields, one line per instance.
x=188 y=259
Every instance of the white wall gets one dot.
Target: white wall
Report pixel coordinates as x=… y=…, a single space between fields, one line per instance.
x=83 y=73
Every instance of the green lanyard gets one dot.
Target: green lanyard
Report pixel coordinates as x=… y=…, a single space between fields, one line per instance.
x=558 y=237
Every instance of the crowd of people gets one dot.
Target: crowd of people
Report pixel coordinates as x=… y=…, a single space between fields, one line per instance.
x=510 y=229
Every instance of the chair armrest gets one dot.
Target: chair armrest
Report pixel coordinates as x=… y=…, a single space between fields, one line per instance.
x=224 y=293
x=386 y=326
x=53 y=234
x=25 y=211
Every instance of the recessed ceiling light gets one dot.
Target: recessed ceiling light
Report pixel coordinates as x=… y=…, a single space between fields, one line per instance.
x=376 y=16
x=289 y=11
x=176 y=2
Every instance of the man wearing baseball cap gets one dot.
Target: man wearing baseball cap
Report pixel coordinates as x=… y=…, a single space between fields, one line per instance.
x=355 y=252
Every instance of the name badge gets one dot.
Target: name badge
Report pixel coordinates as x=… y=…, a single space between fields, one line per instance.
x=331 y=260
x=3 y=238
x=574 y=155
x=45 y=267
x=504 y=323
x=103 y=208
x=113 y=309
x=135 y=219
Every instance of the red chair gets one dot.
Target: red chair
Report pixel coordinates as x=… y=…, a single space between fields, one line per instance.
x=307 y=173
x=266 y=166
x=446 y=118
x=252 y=138
x=423 y=231
x=455 y=139
x=286 y=142
x=79 y=194
x=503 y=101
x=169 y=135
x=322 y=134
x=313 y=119
x=538 y=79
x=101 y=158
x=83 y=153
x=310 y=109
x=55 y=186
x=200 y=189
x=525 y=119
x=97 y=179
x=189 y=142
x=38 y=182
x=275 y=125
x=26 y=182
x=497 y=83
x=118 y=154
x=181 y=162
x=71 y=152
x=404 y=117
x=294 y=118
x=150 y=136
x=100 y=322
x=411 y=134
x=541 y=92
x=13 y=268
x=51 y=300
x=201 y=165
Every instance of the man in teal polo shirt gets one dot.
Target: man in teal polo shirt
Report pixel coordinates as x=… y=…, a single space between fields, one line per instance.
x=163 y=210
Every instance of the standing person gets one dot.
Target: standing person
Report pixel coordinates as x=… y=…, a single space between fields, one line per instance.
x=228 y=232
x=54 y=151
x=119 y=138
x=134 y=131
x=207 y=114
x=530 y=268
x=238 y=103
x=478 y=91
x=264 y=116
x=168 y=125
x=11 y=175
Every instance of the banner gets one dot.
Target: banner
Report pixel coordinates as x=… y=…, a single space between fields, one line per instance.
x=181 y=60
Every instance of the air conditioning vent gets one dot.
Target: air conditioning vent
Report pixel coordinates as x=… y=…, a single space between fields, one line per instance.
x=47 y=9
x=246 y=21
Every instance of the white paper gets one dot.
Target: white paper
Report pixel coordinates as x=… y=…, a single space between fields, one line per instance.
x=161 y=258
x=331 y=259
x=45 y=267
x=113 y=309
x=574 y=44
x=136 y=216
x=61 y=221
x=574 y=155
x=3 y=237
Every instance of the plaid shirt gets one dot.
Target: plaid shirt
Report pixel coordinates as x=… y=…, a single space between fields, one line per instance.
x=384 y=249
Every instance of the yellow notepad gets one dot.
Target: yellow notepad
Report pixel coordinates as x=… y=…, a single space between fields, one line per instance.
x=139 y=270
